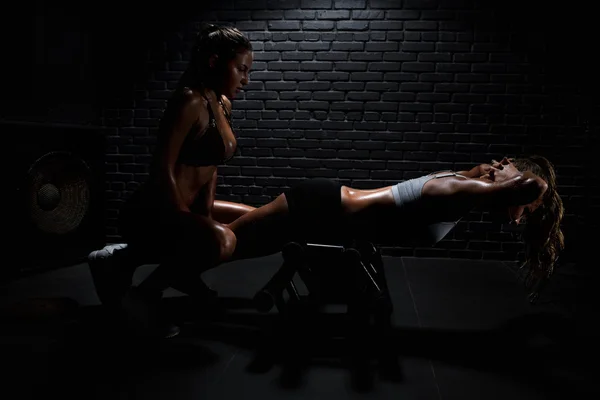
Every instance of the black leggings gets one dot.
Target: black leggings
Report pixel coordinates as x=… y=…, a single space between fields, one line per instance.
x=315 y=209
x=163 y=233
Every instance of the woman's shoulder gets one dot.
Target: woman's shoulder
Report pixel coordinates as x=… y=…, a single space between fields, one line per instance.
x=189 y=94
x=186 y=99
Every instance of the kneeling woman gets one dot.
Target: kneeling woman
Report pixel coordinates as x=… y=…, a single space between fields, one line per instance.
x=424 y=210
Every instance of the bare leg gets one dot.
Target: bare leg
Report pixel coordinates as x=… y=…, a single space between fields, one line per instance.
x=263 y=231
x=226 y=212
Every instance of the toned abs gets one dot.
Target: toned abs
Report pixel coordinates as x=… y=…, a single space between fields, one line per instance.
x=192 y=181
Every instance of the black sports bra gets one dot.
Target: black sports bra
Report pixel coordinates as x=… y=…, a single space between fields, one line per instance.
x=207 y=149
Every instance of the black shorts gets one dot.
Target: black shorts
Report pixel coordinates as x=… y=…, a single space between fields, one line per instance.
x=151 y=225
x=315 y=209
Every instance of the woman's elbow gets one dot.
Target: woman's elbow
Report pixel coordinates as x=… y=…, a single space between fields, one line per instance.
x=533 y=187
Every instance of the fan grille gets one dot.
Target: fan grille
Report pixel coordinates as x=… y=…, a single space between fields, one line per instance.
x=58 y=192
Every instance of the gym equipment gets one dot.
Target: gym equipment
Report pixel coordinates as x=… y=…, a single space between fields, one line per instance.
x=351 y=275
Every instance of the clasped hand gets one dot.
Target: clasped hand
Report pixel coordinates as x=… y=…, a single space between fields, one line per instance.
x=499 y=171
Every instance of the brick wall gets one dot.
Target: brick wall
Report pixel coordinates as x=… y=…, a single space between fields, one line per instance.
x=371 y=92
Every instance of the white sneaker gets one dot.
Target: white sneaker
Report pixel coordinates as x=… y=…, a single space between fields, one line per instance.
x=112 y=272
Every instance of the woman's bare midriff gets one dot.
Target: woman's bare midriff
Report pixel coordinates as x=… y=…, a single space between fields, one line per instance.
x=191 y=180
x=354 y=201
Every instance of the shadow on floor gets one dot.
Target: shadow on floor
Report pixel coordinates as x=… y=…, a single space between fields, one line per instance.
x=52 y=343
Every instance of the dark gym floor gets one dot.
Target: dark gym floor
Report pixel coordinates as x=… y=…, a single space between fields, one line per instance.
x=463 y=328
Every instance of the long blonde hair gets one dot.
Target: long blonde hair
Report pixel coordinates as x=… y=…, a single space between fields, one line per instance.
x=542 y=234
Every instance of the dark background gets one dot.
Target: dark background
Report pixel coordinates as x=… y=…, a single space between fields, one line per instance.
x=369 y=92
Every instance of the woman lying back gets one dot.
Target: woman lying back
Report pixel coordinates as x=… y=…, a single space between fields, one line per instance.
x=423 y=209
